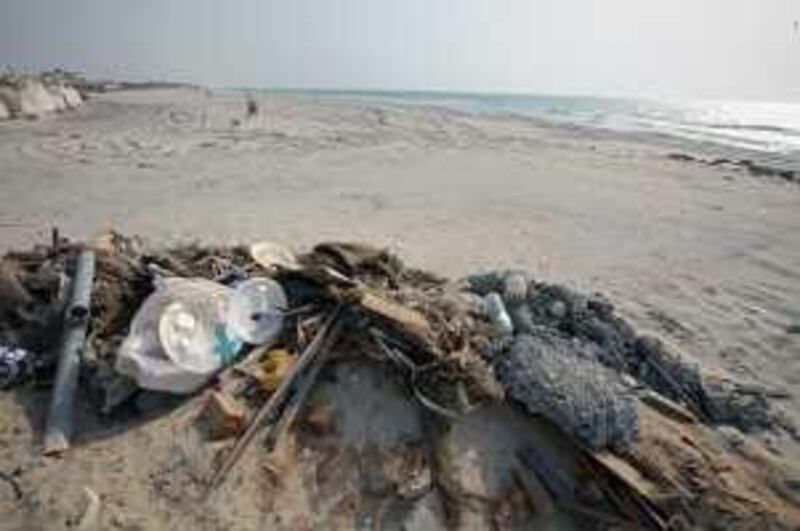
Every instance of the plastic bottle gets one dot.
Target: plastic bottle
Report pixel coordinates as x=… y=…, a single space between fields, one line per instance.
x=495 y=311
x=256 y=311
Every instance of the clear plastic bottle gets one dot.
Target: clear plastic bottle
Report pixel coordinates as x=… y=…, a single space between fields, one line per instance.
x=255 y=314
x=495 y=311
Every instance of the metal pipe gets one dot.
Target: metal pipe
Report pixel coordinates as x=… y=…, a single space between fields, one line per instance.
x=58 y=429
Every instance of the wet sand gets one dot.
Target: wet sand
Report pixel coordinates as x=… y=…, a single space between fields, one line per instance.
x=706 y=257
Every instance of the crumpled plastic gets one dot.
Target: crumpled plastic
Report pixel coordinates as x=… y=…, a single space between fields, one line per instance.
x=16 y=365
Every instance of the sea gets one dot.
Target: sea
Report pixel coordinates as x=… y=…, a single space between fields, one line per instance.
x=769 y=127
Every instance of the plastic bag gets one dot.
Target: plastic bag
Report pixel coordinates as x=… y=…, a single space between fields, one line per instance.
x=179 y=338
x=16 y=365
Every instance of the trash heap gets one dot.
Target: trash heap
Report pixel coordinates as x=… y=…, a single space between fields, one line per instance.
x=249 y=330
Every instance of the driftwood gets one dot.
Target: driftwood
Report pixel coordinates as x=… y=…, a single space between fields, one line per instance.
x=404 y=362
x=58 y=430
x=667 y=407
x=304 y=389
x=542 y=501
x=12 y=481
x=398 y=316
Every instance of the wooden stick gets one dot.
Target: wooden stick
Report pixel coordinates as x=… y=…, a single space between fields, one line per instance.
x=538 y=495
x=11 y=480
x=298 y=399
x=600 y=516
x=269 y=410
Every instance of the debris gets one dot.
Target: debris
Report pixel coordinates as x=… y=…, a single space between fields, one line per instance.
x=426 y=514
x=274 y=256
x=301 y=393
x=12 y=481
x=732 y=438
x=511 y=284
x=355 y=259
x=90 y=519
x=495 y=310
x=667 y=407
x=275 y=367
x=277 y=399
x=405 y=363
x=320 y=417
x=16 y=365
x=682 y=157
x=754 y=168
x=108 y=388
x=598 y=333
x=729 y=403
x=613 y=428
x=12 y=292
x=222 y=416
x=627 y=473
x=541 y=500
x=551 y=376
x=558 y=483
x=179 y=338
x=58 y=429
x=402 y=318
x=255 y=313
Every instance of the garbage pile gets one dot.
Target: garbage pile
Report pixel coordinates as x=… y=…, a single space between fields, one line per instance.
x=575 y=348
x=249 y=330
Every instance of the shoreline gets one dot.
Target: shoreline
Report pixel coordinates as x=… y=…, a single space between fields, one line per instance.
x=774 y=159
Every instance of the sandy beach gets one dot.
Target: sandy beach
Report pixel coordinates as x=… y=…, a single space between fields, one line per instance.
x=707 y=258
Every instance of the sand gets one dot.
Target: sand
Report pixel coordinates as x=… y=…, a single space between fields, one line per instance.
x=708 y=258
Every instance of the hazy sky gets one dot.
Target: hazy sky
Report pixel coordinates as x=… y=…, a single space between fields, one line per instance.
x=695 y=48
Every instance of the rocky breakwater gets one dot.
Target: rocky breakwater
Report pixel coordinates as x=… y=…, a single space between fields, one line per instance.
x=35 y=96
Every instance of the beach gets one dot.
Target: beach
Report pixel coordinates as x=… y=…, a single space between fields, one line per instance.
x=707 y=257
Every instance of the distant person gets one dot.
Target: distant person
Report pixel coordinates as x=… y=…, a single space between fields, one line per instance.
x=252 y=107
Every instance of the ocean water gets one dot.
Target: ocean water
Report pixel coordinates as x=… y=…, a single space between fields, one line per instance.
x=762 y=126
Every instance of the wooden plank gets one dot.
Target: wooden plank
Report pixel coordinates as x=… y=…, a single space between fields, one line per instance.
x=403 y=317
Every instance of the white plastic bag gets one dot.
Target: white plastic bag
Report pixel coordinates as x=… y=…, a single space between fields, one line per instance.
x=178 y=338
